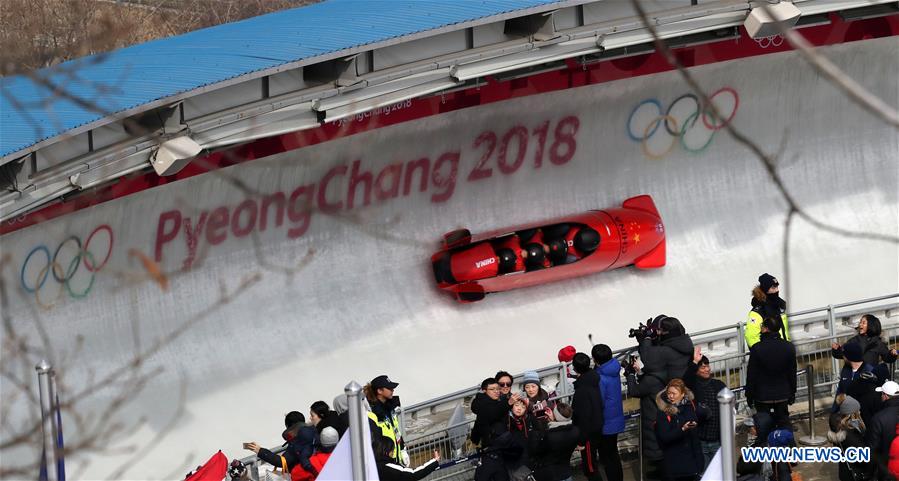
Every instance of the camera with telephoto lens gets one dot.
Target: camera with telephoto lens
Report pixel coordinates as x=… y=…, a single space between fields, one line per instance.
x=644 y=331
x=650 y=330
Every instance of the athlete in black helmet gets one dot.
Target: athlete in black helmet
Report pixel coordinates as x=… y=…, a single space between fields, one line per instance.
x=507 y=260
x=534 y=256
x=558 y=251
x=586 y=240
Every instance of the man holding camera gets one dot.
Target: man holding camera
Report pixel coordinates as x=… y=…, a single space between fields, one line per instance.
x=665 y=350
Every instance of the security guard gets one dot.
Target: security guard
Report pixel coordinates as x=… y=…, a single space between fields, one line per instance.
x=766 y=302
x=383 y=416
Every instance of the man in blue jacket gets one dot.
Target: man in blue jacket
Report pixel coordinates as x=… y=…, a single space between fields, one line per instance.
x=609 y=371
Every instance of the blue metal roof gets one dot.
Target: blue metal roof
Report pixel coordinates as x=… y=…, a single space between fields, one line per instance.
x=132 y=77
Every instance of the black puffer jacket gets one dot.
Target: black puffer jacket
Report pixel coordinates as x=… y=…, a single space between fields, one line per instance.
x=489 y=413
x=550 y=452
x=671 y=354
x=874 y=349
x=586 y=406
x=771 y=375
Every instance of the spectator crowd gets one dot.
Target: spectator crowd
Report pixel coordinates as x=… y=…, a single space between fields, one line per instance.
x=533 y=433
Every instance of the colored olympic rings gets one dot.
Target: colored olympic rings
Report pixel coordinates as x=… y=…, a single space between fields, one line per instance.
x=681 y=121
x=54 y=267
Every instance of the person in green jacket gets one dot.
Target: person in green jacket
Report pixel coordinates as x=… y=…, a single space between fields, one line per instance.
x=766 y=302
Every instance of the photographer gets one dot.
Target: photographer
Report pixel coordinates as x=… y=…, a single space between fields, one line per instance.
x=665 y=351
x=665 y=342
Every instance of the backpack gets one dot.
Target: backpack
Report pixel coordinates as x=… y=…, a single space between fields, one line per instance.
x=893 y=462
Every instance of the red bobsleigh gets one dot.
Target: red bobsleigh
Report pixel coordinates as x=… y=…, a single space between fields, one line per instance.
x=527 y=255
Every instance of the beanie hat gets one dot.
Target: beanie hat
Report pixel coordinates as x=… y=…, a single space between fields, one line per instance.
x=780 y=438
x=530 y=377
x=849 y=406
x=766 y=281
x=328 y=437
x=341 y=403
x=566 y=354
x=558 y=412
x=852 y=351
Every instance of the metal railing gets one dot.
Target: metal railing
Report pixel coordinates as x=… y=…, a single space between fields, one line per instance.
x=802 y=326
x=814 y=351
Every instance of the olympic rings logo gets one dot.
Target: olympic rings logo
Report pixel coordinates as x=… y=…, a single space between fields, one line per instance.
x=772 y=41
x=64 y=265
x=685 y=121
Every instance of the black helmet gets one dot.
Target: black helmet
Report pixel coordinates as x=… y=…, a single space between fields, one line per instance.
x=586 y=240
x=507 y=260
x=558 y=251
x=534 y=256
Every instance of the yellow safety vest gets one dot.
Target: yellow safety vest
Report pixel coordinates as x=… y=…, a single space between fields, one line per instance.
x=753 y=330
x=390 y=428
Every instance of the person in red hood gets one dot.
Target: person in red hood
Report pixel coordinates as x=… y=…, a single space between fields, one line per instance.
x=327 y=441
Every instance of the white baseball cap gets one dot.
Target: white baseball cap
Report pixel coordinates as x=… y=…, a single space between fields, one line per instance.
x=890 y=388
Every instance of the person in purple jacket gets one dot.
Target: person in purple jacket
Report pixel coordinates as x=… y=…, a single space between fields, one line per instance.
x=609 y=370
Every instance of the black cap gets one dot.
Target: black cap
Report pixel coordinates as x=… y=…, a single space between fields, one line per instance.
x=383 y=381
x=766 y=281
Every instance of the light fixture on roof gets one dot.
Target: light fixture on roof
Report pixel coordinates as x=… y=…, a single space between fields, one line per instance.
x=528 y=58
x=769 y=20
x=174 y=154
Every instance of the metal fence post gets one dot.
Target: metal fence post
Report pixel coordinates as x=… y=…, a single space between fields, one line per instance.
x=563 y=379
x=811 y=439
x=357 y=430
x=726 y=405
x=640 y=444
x=834 y=363
x=48 y=420
x=741 y=348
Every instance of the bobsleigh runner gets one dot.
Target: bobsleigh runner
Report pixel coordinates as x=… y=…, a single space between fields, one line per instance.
x=472 y=266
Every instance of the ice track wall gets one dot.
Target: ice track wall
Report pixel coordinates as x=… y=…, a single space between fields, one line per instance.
x=365 y=303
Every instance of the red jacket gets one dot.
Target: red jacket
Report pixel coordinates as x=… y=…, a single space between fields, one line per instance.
x=318 y=461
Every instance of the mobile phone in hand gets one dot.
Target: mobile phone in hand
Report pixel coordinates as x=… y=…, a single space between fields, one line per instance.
x=246 y=445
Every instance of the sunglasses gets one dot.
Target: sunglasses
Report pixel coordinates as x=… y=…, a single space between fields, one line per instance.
x=505 y=384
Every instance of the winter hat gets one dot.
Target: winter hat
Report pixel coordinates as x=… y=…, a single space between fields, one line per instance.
x=566 y=354
x=560 y=411
x=766 y=281
x=328 y=437
x=849 y=406
x=530 y=377
x=341 y=403
x=853 y=352
x=780 y=438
